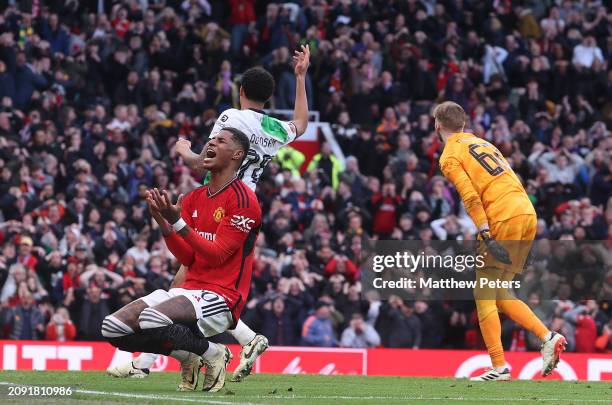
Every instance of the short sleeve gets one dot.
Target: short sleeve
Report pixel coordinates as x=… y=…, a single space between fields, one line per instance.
x=291 y=131
x=283 y=131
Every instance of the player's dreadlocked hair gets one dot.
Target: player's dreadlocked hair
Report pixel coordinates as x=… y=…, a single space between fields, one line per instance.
x=240 y=139
x=258 y=84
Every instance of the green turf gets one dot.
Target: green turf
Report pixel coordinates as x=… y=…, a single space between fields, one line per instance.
x=97 y=388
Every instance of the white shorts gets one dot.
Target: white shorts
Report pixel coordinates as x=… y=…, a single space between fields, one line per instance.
x=214 y=316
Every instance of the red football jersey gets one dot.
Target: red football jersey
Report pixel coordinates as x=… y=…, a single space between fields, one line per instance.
x=226 y=226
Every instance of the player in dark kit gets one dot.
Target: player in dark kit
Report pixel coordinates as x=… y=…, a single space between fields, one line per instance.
x=212 y=232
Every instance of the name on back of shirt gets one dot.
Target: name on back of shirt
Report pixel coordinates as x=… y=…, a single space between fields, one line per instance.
x=263 y=141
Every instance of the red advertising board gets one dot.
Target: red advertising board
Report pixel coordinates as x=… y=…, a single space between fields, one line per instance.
x=30 y=355
x=312 y=360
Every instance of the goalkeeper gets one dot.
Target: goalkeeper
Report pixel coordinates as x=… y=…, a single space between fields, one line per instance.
x=498 y=204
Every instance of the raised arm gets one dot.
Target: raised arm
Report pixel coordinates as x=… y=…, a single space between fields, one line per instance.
x=192 y=160
x=116 y=278
x=452 y=170
x=544 y=160
x=87 y=275
x=437 y=227
x=576 y=161
x=300 y=112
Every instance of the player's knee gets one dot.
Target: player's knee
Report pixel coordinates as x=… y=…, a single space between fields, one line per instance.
x=504 y=294
x=156 y=297
x=112 y=327
x=485 y=308
x=151 y=318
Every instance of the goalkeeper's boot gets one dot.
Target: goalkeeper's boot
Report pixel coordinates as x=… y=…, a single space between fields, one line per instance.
x=190 y=372
x=127 y=370
x=249 y=353
x=214 y=378
x=551 y=351
x=491 y=374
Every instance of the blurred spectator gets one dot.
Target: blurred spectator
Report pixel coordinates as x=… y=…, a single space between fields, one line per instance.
x=17 y=274
x=25 y=321
x=587 y=53
x=399 y=325
x=344 y=266
x=585 y=328
x=327 y=166
x=278 y=324
x=292 y=159
x=359 y=334
x=562 y=166
x=140 y=254
x=318 y=329
x=61 y=328
x=93 y=310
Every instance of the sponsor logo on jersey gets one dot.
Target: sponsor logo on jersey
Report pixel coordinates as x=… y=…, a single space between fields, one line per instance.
x=218 y=214
x=245 y=224
x=207 y=235
x=194 y=214
x=223 y=118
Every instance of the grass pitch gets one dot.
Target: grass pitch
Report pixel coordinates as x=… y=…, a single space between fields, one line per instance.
x=97 y=388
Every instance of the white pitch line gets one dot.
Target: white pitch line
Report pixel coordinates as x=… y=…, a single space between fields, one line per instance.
x=433 y=398
x=336 y=397
x=420 y=398
x=163 y=397
x=212 y=398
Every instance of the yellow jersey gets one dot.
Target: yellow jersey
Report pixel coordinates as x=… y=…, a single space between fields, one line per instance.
x=488 y=186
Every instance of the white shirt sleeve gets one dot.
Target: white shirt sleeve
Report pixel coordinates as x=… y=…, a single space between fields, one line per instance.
x=599 y=55
x=437 y=227
x=466 y=224
x=500 y=54
x=291 y=131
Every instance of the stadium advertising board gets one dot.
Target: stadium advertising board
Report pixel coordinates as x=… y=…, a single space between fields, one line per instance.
x=32 y=355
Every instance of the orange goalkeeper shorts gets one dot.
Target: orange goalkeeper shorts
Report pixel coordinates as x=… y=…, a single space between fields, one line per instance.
x=516 y=235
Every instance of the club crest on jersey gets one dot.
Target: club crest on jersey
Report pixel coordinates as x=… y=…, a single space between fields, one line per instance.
x=218 y=214
x=243 y=223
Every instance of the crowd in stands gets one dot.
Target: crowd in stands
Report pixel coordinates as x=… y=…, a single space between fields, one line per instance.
x=94 y=95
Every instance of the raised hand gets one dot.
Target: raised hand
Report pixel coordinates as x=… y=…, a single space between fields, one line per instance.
x=162 y=202
x=301 y=60
x=155 y=214
x=183 y=146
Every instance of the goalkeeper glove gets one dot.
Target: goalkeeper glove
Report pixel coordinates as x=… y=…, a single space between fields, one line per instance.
x=496 y=249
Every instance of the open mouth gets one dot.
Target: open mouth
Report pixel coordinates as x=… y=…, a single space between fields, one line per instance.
x=210 y=153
